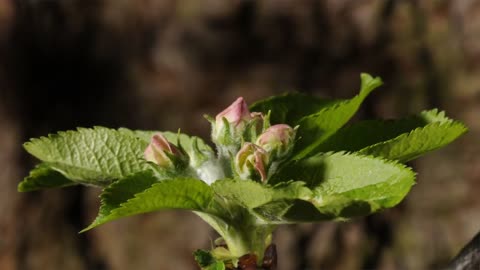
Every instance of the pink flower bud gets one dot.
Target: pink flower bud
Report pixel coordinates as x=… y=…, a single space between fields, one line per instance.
x=236 y=116
x=251 y=161
x=235 y=113
x=277 y=140
x=161 y=151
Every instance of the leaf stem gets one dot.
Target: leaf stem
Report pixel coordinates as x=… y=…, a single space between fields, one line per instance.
x=243 y=237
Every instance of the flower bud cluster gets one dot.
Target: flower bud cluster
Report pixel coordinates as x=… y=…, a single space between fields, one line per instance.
x=248 y=140
x=248 y=147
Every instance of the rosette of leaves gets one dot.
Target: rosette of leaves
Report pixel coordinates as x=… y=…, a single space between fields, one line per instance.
x=335 y=171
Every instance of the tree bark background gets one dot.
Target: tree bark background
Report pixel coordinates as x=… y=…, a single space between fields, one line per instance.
x=161 y=64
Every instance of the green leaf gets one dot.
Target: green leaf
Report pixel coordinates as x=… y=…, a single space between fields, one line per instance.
x=203 y=257
x=291 y=190
x=246 y=193
x=144 y=135
x=365 y=133
x=316 y=128
x=348 y=185
x=206 y=260
x=216 y=266
x=287 y=211
x=92 y=156
x=257 y=199
x=42 y=176
x=123 y=190
x=250 y=194
x=290 y=107
x=411 y=145
x=179 y=193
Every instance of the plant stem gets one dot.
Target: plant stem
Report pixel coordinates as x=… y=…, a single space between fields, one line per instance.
x=225 y=159
x=248 y=236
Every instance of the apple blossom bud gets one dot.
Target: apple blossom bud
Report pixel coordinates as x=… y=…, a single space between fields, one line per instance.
x=163 y=153
x=230 y=124
x=251 y=162
x=278 y=140
x=235 y=113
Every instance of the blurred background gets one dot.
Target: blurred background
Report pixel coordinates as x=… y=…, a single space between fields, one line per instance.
x=161 y=64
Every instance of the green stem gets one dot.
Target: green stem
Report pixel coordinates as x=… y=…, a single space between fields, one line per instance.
x=225 y=159
x=244 y=237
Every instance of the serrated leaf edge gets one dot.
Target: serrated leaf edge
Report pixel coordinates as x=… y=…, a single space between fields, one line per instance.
x=364 y=92
x=96 y=223
x=447 y=124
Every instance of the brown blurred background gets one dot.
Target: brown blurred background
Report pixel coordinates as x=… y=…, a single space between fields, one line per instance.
x=161 y=64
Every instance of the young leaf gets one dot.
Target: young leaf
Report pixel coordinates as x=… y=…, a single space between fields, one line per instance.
x=253 y=197
x=290 y=107
x=179 y=193
x=93 y=156
x=251 y=194
x=123 y=190
x=42 y=176
x=216 y=266
x=348 y=185
x=365 y=133
x=411 y=145
x=316 y=128
x=143 y=135
x=206 y=260
x=246 y=193
x=287 y=211
x=203 y=257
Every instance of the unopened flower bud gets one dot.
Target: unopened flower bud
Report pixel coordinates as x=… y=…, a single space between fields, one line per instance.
x=251 y=162
x=163 y=153
x=230 y=124
x=278 y=140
